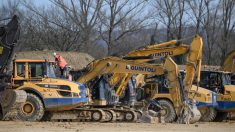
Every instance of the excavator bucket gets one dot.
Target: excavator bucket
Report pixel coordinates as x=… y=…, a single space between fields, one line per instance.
x=10 y=102
x=189 y=114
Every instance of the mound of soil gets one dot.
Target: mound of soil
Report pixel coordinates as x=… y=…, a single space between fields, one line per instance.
x=74 y=59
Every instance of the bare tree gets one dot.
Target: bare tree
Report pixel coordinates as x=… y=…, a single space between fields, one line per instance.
x=227 y=26
x=43 y=29
x=84 y=13
x=197 y=12
x=10 y=8
x=211 y=24
x=171 y=15
x=120 y=18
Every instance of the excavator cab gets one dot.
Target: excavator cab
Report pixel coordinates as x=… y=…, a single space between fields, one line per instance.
x=217 y=80
x=32 y=70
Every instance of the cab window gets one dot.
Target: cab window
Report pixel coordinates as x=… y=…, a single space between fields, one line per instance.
x=214 y=80
x=36 y=69
x=21 y=69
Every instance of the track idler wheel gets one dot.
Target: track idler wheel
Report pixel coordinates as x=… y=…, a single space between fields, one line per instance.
x=110 y=116
x=130 y=116
x=98 y=115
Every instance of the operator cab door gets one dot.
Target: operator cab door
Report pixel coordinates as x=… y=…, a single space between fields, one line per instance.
x=57 y=95
x=19 y=74
x=37 y=75
x=226 y=82
x=211 y=81
x=65 y=96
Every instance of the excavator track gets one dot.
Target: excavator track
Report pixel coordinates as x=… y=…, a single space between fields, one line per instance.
x=110 y=116
x=10 y=101
x=96 y=115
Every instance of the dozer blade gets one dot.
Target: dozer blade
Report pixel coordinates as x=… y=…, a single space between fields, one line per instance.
x=11 y=101
x=189 y=115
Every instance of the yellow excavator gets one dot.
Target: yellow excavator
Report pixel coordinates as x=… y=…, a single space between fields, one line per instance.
x=194 y=51
x=229 y=65
x=115 y=66
x=229 y=62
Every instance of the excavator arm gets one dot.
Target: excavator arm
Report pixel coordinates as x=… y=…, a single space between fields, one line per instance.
x=117 y=65
x=160 y=52
x=9 y=35
x=193 y=64
x=10 y=100
x=229 y=62
x=193 y=51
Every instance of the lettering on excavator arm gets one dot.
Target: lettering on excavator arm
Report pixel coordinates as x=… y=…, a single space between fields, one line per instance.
x=162 y=54
x=140 y=68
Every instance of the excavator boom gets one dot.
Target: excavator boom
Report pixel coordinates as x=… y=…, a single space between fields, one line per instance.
x=117 y=65
x=10 y=100
x=229 y=62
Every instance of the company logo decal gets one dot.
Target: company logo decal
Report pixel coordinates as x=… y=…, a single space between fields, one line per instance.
x=140 y=68
x=162 y=54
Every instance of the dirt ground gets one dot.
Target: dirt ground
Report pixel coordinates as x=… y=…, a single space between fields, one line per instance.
x=6 y=126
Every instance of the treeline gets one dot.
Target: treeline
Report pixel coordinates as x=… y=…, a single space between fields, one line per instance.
x=115 y=27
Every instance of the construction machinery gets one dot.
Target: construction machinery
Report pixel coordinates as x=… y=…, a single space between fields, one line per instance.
x=229 y=62
x=10 y=100
x=219 y=82
x=58 y=99
x=38 y=94
x=119 y=66
x=204 y=97
x=20 y=96
x=229 y=65
x=45 y=92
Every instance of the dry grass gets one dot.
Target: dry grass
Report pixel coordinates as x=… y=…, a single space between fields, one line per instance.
x=75 y=59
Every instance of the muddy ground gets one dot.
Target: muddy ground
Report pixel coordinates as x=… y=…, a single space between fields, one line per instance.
x=6 y=126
